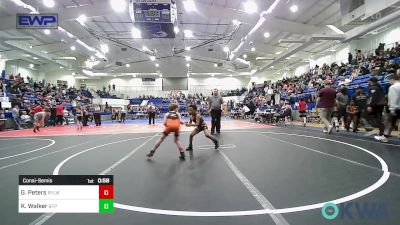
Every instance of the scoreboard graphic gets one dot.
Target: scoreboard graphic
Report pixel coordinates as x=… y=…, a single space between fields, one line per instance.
x=155 y=18
x=66 y=194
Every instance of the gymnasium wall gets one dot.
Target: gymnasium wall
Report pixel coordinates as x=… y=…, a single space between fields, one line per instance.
x=65 y=75
x=18 y=66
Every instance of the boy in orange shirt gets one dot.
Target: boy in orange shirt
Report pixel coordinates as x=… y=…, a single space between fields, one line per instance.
x=172 y=122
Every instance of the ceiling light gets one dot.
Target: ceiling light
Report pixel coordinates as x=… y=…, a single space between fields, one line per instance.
x=215 y=65
x=334 y=28
x=160 y=75
x=253 y=49
x=212 y=75
x=136 y=33
x=30 y=46
x=236 y=22
x=189 y=5
x=187 y=65
x=152 y=58
x=73 y=73
x=31 y=65
x=157 y=65
x=92 y=58
x=188 y=58
x=73 y=48
x=188 y=48
x=48 y=3
x=104 y=48
x=294 y=8
x=187 y=75
x=176 y=30
x=61 y=67
x=46 y=31
x=115 y=76
x=81 y=19
x=226 y=49
x=250 y=7
x=134 y=75
x=277 y=53
x=266 y=35
x=188 y=33
x=44 y=52
x=127 y=65
x=272 y=67
x=118 y=5
x=35 y=57
x=244 y=56
x=230 y=75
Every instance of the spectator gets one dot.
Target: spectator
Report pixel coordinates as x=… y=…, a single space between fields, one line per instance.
x=16 y=118
x=352 y=111
x=376 y=103
x=360 y=57
x=60 y=114
x=123 y=115
x=303 y=111
x=350 y=58
x=360 y=99
x=342 y=100
x=97 y=116
x=394 y=98
x=326 y=101
x=53 y=115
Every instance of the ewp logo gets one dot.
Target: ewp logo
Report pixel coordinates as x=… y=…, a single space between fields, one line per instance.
x=47 y=21
x=357 y=210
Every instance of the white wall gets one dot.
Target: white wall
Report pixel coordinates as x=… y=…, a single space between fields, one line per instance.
x=133 y=87
x=126 y=86
x=389 y=37
x=206 y=85
x=65 y=75
x=2 y=64
x=17 y=66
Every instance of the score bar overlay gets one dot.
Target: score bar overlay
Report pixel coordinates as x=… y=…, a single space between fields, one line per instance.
x=66 y=194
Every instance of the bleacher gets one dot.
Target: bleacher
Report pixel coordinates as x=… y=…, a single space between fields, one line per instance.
x=160 y=103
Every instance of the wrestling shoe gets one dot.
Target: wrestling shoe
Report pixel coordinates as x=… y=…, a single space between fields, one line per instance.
x=182 y=156
x=216 y=144
x=151 y=153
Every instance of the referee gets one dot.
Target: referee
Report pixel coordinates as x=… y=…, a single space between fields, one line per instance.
x=215 y=103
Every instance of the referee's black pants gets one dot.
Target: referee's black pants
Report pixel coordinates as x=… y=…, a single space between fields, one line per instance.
x=216 y=120
x=97 y=119
x=152 y=116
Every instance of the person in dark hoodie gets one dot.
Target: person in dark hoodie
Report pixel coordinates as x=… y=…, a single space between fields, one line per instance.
x=360 y=99
x=375 y=106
